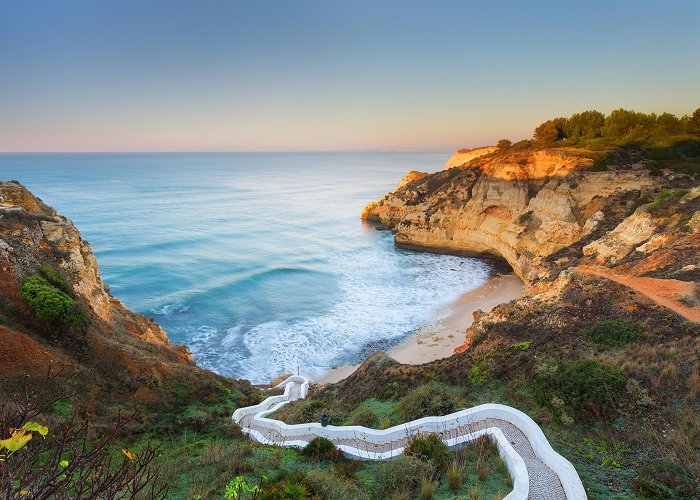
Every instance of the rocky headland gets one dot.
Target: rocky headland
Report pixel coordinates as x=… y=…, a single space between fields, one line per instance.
x=602 y=346
x=112 y=357
x=547 y=214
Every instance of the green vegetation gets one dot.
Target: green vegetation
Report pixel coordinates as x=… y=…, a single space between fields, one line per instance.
x=429 y=447
x=663 y=479
x=626 y=137
x=50 y=303
x=431 y=399
x=613 y=332
x=56 y=280
x=320 y=449
x=592 y=386
x=620 y=126
x=205 y=465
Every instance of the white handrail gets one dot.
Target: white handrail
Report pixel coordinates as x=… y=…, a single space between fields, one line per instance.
x=458 y=426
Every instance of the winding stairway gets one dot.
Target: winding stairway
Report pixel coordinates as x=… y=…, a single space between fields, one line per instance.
x=538 y=471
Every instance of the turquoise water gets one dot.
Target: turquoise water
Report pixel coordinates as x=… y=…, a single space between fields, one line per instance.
x=259 y=262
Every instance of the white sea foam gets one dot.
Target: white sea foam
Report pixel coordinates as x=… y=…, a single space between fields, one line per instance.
x=170 y=309
x=382 y=297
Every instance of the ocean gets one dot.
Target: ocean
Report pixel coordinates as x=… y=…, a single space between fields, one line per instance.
x=258 y=262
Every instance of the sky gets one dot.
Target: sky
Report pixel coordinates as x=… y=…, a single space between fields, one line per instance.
x=287 y=75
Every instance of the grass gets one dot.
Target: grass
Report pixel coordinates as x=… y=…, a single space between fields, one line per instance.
x=202 y=464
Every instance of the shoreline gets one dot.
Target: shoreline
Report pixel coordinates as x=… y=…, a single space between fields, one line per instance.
x=446 y=330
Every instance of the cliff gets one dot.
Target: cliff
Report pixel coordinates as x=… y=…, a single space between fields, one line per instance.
x=33 y=236
x=556 y=220
x=525 y=207
x=112 y=359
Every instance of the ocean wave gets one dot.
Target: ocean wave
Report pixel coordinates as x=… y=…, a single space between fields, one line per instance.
x=381 y=300
x=171 y=309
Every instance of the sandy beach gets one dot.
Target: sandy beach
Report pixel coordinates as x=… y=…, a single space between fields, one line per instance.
x=445 y=332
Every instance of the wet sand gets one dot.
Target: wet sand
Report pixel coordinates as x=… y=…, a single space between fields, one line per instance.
x=446 y=330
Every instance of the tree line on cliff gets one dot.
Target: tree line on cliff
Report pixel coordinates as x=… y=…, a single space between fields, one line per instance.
x=621 y=125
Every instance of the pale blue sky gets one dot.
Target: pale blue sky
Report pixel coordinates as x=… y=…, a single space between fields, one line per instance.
x=169 y=75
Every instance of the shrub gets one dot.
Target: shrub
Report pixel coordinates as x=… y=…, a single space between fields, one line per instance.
x=428 y=447
x=56 y=280
x=431 y=399
x=663 y=479
x=428 y=487
x=504 y=144
x=483 y=472
x=613 y=332
x=320 y=448
x=591 y=385
x=454 y=475
x=403 y=473
x=72 y=459
x=364 y=416
x=327 y=485
x=51 y=304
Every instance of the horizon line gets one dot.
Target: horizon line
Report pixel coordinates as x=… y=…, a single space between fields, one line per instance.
x=377 y=150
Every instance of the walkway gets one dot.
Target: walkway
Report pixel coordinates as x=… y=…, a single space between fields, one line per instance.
x=538 y=472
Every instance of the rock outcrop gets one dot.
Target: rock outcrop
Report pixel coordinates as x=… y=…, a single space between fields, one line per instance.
x=463 y=156
x=522 y=206
x=561 y=226
x=32 y=236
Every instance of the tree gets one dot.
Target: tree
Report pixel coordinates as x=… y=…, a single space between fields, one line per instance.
x=628 y=125
x=585 y=125
x=550 y=131
x=667 y=124
x=504 y=144
x=693 y=124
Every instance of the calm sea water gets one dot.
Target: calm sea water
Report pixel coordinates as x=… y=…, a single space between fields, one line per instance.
x=258 y=262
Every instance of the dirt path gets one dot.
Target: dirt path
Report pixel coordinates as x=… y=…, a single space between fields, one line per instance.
x=665 y=292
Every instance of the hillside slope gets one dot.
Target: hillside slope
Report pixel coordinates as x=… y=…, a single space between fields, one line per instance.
x=601 y=349
x=113 y=358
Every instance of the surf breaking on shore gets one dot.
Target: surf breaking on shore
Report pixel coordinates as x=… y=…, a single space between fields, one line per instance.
x=445 y=332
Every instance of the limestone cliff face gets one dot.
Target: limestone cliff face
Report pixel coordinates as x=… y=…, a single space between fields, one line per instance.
x=522 y=206
x=463 y=156
x=34 y=235
x=587 y=244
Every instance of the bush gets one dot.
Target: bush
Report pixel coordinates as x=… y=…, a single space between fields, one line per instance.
x=663 y=479
x=613 y=332
x=321 y=448
x=56 y=280
x=327 y=485
x=591 y=385
x=431 y=399
x=51 y=304
x=364 y=416
x=405 y=472
x=428 y=487
x=428 y=447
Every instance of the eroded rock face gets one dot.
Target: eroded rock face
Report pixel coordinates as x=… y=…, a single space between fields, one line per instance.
x=33 y=235
x=463 y=156
x=619 y=242
x=523 y=207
